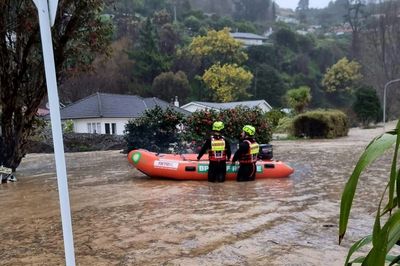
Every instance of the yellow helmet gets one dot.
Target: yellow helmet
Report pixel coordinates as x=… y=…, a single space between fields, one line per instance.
x=249 y=130
x=218 y=126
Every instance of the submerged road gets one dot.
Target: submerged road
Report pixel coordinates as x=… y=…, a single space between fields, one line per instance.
x=121 y=217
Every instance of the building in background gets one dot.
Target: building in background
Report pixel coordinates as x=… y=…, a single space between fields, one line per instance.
x=201 y=106
x=104 y=113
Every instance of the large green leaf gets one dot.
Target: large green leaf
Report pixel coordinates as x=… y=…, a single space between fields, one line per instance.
x=392 y=182
x=377 y=254
x=386 y=239
x=359 y=244
x=375 y=149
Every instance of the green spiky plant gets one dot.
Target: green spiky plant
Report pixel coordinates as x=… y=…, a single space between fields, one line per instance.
x=384 y=236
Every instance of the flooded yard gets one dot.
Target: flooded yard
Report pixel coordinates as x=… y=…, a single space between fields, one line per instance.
x=121 y=217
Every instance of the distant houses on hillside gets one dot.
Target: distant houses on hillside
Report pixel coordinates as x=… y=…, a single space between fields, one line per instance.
x=248 y=39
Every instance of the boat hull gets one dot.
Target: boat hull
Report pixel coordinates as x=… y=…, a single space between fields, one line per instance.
x=186 y=166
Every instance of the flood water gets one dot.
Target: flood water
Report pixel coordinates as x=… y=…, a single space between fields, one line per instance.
x=121 y=217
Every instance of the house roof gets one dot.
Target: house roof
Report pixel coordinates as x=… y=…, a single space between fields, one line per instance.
x=113 y=106
x=230 y=105
x=247 y=35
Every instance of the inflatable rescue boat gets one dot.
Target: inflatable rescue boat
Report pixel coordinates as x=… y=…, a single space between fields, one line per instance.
x=186 y=166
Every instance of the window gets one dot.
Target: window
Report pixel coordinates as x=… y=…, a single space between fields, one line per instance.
x=94 y=128
x=111 y=128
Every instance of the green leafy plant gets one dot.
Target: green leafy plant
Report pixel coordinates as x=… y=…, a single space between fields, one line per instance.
x=68 y=126
x=198 y=125
x=385 y=236
x=367 y=106
x=155 y=130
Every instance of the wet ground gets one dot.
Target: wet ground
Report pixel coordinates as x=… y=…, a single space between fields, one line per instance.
x=121 y=217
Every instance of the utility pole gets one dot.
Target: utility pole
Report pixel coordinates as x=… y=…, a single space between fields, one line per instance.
x=47 y=13
x=384 y=99
x=175 y=20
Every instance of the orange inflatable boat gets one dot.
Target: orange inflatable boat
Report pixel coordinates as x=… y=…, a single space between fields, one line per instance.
x=186 y=166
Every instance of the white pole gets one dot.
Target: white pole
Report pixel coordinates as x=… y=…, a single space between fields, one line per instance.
x=48 y=56
x=384 y=100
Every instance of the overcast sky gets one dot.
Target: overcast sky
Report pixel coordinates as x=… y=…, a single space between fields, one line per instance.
x=293 y=3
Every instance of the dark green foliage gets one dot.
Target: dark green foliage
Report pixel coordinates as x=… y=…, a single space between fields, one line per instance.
x=198 y=126
x=263 y=54
x=321 y=124
x=286 y=38
x=268 y=84
x=149 y=61
x=367 y=106
x=169 y=84
x=253 y=10
x=274 y=116
x=154 y=131
x=80 y=33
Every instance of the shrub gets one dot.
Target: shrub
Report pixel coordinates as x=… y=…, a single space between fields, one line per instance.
x=321 y=124
x=68 y=126
x=198 y=126
x=367 y=106
x=154 y=131
x=274 y=116
x=285 y=125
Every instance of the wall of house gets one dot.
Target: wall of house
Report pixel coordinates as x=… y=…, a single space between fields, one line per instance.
x=250 y=42
x=81 y=125
x=264 y=108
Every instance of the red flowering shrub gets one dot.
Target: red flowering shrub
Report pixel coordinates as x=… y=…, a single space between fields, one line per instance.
x=199 y=125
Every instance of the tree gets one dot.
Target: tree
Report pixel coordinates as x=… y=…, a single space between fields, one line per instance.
x=253 y=10
x=228 y=81
x=380 y=57
x=268 y=85
x=149 y=61
x=355 y=17
x=169 y=39
x=301 y=9
x=79 y=33
x=217 y=46
x=367 y=106
x=167 y=85
x=302 y=5
x=299 y=98
x=342 y=76
x=285 y=37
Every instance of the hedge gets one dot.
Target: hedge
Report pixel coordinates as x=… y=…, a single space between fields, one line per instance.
x=321 y=124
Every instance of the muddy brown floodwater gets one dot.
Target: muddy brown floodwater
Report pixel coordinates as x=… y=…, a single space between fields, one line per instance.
x=121 y=217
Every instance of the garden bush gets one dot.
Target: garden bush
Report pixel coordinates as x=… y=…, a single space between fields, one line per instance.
x=285 y=125
x=198 y=125
x=154 y=131
x=273 y=117
x=321 y=124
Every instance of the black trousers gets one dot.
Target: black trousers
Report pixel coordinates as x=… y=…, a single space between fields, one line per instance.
x=217 y=171
x=246 y=172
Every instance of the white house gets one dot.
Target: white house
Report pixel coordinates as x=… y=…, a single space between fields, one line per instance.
x=287 y=20
x=104 y=113
x=199 y=106
x=248 y=39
